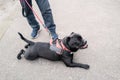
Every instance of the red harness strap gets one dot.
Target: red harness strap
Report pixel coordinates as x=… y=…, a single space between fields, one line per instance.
x=60 y=45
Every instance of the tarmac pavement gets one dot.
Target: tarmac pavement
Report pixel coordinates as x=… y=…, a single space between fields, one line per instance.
x=98 y=21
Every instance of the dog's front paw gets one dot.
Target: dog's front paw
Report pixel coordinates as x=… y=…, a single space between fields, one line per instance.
x=86 y=66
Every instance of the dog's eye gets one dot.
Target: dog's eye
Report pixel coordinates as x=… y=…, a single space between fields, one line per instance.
x=79 y=38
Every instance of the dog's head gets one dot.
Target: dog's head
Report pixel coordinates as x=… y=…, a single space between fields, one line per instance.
x=74 y=42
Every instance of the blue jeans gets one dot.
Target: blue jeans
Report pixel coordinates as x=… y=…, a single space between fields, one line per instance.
x=46 y=12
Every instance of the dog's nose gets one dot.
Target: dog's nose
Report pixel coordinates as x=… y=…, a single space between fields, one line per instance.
x=85 y=42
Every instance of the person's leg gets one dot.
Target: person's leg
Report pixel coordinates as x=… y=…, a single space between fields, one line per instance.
x=46 y=12
x=32 y=21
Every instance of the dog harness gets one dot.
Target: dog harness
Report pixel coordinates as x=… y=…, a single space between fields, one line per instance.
x=58 y=47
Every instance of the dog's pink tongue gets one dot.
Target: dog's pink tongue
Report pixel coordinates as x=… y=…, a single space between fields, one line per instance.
x=85 y=46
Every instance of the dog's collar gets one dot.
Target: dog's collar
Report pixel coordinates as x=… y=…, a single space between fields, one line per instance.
x=63 y=47
x=59 y=44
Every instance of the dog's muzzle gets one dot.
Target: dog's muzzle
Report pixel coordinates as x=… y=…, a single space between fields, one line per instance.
x=84 y=45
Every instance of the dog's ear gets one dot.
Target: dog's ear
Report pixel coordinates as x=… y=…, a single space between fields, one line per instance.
x=72 y=33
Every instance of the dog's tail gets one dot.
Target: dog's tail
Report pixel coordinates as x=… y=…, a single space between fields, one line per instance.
x=28 y=41
x=20 y=53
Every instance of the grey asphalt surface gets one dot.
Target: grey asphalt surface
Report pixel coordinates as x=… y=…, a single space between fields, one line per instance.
x=98 y=21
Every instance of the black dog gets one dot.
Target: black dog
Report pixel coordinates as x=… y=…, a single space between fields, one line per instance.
x=69 y=44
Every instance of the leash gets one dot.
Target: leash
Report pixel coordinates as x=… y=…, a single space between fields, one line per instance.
x=40 y=21
x=59 y=41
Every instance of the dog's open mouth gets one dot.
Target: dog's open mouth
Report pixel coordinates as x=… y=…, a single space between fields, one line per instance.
x=85 y=45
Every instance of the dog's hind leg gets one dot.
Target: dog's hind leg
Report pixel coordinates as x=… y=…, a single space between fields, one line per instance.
x=30 y=55
x=20 y=53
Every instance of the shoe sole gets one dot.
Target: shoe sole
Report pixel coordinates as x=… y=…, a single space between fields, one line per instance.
x=38 y=33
